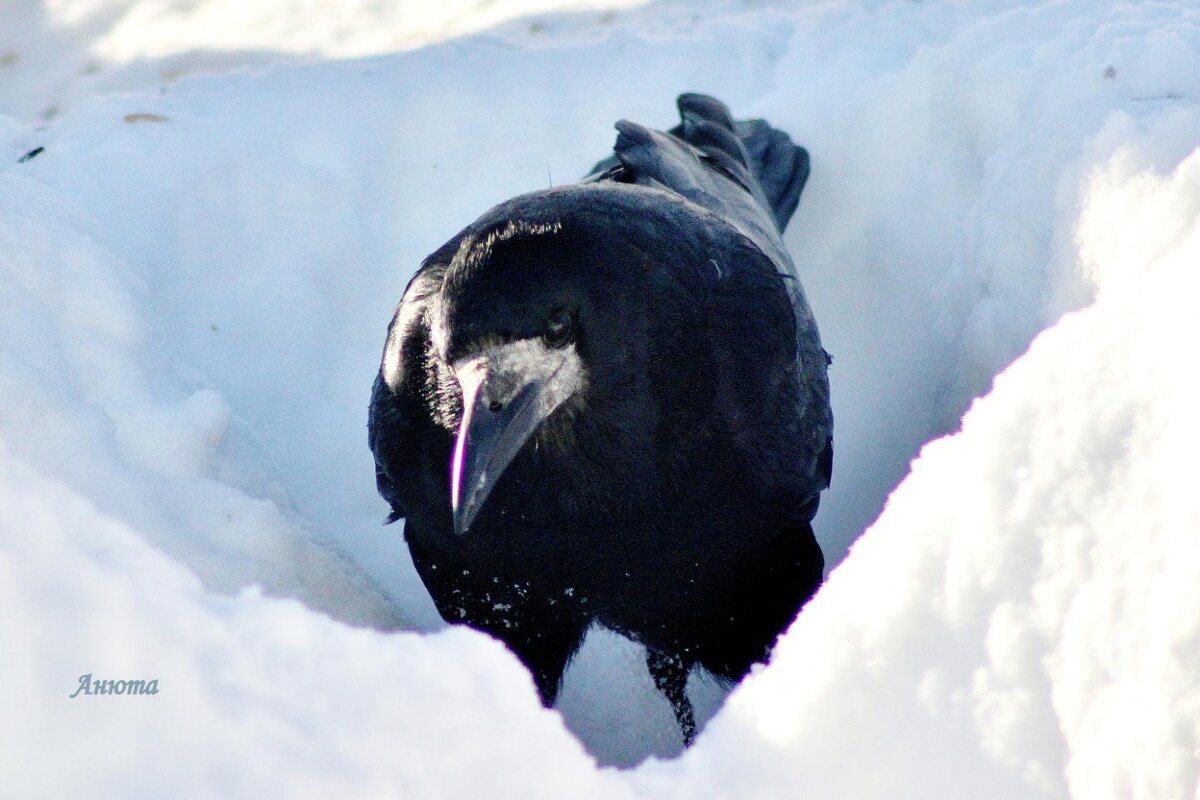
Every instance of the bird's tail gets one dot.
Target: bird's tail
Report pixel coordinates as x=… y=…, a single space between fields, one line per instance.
x=754 y=156
x=778 y=167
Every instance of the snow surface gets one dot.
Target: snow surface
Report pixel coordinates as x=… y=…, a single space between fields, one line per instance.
x=195 y=279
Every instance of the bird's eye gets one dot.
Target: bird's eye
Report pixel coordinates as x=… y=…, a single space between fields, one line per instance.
x=558 y=328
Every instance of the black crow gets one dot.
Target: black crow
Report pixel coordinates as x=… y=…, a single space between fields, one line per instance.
x=607 y=402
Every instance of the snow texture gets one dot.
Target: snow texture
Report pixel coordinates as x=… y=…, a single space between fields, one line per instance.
x=1001 y=240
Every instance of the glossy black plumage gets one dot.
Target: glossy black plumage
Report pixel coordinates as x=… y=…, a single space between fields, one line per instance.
x=670 y=495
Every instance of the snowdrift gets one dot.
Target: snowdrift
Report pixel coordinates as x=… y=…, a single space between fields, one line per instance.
x=1004 y=216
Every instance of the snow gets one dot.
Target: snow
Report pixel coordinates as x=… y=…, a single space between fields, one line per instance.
x=1000 y=241
x=367 y=715
x=1035 y=630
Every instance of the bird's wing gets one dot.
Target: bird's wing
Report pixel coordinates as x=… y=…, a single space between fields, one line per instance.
x=749 y=175
x=385 y=433
x=772 y=390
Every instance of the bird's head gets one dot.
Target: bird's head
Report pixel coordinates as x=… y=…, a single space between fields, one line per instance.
x=546 y=321
x=512 y=330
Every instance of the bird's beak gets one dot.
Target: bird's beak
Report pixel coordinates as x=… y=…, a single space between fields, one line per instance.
x=506 y=398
